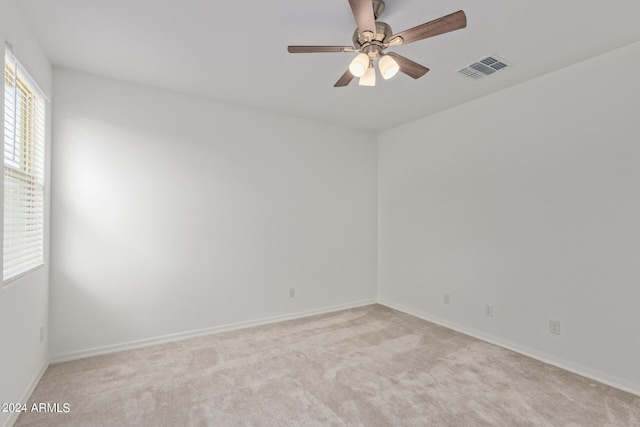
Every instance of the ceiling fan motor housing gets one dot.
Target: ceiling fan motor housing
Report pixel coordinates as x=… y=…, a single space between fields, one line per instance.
x=383 y=31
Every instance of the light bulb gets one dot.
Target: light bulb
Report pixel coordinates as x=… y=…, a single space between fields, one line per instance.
x=388 y=67
x=369 y=78
x=359 y=65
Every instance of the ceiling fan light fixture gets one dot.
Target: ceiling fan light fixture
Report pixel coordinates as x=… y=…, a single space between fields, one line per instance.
x=371 y=37
x=388 y=67
x=359 y=65
x=369 y=78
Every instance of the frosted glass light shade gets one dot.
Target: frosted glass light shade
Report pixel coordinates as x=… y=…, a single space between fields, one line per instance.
x=359 y=65
x=388 y=67
x=369 y=78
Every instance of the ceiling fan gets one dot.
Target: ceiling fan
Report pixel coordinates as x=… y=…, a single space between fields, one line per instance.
x=372 y=37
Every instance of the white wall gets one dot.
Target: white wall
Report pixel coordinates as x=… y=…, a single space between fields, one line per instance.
x=528 y=200
x=23 y=302
x=172 y=214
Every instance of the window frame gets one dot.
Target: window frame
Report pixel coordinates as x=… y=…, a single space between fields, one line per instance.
x=24 y=179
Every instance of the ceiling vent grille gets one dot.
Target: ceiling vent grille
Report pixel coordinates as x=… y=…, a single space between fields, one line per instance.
x=483 y=67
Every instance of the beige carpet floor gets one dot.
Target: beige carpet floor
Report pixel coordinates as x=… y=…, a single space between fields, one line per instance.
x=368 y=366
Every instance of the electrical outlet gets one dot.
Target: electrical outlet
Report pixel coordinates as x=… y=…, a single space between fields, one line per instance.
x=447 y=299
x=554 y=327
x=488 y=310
x=41 y=333
x=292 y=292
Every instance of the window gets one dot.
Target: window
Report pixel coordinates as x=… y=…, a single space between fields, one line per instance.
x=24 y=135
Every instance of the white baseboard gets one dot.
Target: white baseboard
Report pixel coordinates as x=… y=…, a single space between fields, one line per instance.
x=27 y=394
x=97 y=351
x=562 y=364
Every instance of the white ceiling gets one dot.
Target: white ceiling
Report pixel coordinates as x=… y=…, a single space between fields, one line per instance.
x=236 y=51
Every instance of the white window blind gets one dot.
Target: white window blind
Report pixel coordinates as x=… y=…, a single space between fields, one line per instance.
x=24 y=135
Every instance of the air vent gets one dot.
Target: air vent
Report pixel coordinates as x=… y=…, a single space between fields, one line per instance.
x=484 y=67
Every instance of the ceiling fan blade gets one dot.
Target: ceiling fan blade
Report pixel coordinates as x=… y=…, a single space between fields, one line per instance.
x=363 y=13
x=344 y=80
x=451 y=22
x=407 y=66
x=319 y=49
